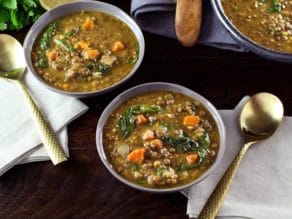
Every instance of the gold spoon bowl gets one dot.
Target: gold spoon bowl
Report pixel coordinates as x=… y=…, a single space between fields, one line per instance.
x=12 y=68
x=259 y=119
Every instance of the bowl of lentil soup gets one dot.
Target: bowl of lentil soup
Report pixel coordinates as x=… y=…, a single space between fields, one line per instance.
x=160 y=137
x=84 y=48
x=262 y=26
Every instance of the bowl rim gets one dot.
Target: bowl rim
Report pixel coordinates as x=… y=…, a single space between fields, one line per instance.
x=242 y=38
x=65 y=9
x=158 y=86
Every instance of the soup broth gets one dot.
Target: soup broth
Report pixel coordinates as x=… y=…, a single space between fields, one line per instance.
x=267 y=22
x=85 y=51
x=161 y=139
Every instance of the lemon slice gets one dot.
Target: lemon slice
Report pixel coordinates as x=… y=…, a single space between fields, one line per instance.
x=49 y=4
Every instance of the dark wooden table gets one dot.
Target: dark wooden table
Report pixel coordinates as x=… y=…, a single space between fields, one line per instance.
x=83 y=188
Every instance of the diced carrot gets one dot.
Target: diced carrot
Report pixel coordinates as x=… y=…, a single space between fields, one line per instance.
x=148 y=135
x=65 y=85
x=88 y=24
x=52 y=55
x=81 y=45
x=136 y=156
x=157 y=143
x=192 y=158
x=91 y=54
x=117 y=46
x=191 y=120
x=140 y=119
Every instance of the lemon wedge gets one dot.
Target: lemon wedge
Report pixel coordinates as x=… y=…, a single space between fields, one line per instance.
x=49 y=4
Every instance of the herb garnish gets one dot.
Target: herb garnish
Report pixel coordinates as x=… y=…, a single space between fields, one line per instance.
x=16 y=14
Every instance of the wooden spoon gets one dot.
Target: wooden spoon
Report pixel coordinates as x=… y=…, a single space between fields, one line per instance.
x=188 y=19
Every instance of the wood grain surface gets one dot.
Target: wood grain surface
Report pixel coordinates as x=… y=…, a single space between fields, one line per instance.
x=83 y=188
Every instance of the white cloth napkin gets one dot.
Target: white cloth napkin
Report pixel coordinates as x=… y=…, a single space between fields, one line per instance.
x=19 y=140
x=262 y=187
x=158 y=16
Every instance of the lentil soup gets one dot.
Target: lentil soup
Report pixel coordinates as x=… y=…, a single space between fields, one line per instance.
x=85 y=51
x=161 y=139
x=267 y=22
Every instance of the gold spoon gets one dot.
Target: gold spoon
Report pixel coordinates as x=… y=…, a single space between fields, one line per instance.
x=188 y=17
x=259 y=119
x=12 y=67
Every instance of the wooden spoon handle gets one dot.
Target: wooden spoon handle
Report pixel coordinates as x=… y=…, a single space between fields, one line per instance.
x=188 y=19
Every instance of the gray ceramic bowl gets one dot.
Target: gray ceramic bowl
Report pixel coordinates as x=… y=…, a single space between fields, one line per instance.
x=61 y=11
x=144 y=88
x=247 y=42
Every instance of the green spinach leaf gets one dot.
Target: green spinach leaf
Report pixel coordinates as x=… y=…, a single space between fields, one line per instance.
x=64 y=45
x=181 y=144
x=186 y=144
x=103 y=68
x=276 y=6
x=42 y=61
x=127 y=123
x=145 y=108
x=45 y=41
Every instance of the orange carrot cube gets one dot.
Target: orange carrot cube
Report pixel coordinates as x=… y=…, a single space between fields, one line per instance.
x=81 y=45
x=88 y=24
x=140 y=119
x=136 y=156
x=191 y=120
x=117 y=46
x=91 y=54
x=192 y=158
x=52 y=55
